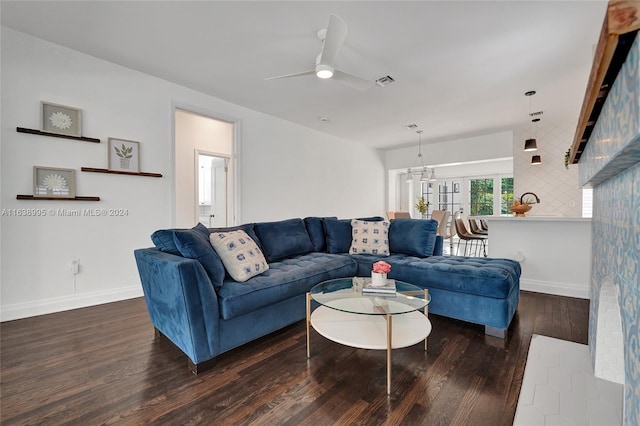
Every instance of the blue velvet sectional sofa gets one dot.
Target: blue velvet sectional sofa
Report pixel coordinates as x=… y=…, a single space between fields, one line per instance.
x=192 y=300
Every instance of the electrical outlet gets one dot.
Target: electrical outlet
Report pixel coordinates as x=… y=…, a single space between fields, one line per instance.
x=74 y=266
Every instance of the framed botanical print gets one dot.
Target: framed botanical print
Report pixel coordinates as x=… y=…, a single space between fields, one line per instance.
x=54 y=182
x=124 y=155
x=60 y=119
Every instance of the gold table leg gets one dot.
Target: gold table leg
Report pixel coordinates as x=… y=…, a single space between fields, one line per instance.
x=389 y=340
x=308 y=324
x=426 y=314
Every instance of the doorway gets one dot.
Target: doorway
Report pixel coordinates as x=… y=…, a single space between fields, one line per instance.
x=204 y=194
x=212 y=189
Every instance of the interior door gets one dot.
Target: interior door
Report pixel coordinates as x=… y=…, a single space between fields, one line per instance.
x=212 y=189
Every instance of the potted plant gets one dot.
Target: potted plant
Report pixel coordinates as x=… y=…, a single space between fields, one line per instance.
x=422 y=206
x=567 y=156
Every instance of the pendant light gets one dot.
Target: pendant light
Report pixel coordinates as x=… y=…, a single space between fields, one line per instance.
x=425 y=172
x=536 y=160
x=530 y=144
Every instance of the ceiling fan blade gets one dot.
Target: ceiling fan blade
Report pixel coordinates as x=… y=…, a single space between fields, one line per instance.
x=297 y=74
x=352 y=80
x=336 y=34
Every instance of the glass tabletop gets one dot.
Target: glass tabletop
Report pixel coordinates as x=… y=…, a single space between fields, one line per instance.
x=345 y=294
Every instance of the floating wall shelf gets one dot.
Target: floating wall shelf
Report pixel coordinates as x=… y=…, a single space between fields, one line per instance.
x=55 y=135
x=31 y=197
x=120 y=172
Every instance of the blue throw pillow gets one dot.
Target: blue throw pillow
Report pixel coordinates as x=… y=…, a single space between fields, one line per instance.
x=415 y=237
x=338 y=232
x=282 y=239
x=315 y=228
x=194 y=244
x=163 y=240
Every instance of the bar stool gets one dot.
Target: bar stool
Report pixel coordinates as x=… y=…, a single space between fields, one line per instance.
x=467 y=237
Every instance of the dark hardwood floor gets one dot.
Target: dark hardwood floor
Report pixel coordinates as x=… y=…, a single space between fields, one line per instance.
x=103 y=365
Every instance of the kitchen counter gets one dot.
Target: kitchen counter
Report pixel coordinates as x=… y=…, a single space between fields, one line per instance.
x=554 y=251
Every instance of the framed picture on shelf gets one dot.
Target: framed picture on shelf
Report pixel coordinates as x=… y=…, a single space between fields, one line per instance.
x=54 y=182
x=124 y=155
x=60 y=119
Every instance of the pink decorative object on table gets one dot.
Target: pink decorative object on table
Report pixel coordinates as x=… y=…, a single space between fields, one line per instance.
x=381 y=267
x=379 y=273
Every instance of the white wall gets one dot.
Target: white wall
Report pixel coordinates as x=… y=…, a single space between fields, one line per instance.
x=491 y=146
x=285 y=171
x=556 y=186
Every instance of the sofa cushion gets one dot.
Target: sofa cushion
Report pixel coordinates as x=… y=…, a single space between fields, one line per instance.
x=249 y=228
x=369 y=237
x=416 y=237
x=338 y=232
x=193 y=244
x=163 y=240
x=315 y=229
x=285 y=279
x=241 y=256
x=481 y=276
x=282 y=239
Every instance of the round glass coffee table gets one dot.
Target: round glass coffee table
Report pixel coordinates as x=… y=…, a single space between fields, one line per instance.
x=383 y=321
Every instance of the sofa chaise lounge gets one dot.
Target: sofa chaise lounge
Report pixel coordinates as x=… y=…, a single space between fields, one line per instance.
x=194 y=301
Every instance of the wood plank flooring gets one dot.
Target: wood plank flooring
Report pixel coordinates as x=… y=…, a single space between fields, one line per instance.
x=103 y=365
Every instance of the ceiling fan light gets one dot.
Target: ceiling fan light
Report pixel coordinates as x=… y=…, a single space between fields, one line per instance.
x=324 y=71
x=530 y=145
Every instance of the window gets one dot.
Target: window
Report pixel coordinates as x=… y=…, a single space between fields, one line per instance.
x=506 y=195
x=481 y=197
x=427 y=193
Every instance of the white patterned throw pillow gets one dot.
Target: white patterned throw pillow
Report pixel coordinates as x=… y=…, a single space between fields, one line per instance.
x=369 y=237
x=240 y=255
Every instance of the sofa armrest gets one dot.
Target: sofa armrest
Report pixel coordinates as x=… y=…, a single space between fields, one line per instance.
x=181 y=301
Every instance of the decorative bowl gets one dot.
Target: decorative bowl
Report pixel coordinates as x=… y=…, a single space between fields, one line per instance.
x=520 y=210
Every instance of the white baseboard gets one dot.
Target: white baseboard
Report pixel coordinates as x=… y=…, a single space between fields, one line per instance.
x=65 y=303
x=558 y=289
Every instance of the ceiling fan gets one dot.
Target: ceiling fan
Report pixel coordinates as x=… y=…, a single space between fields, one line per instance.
x=332 y=39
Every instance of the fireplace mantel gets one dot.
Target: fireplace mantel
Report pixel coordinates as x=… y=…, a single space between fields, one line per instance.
x=621 y=23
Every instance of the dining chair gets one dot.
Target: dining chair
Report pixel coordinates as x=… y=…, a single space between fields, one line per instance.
x=441 y=217
x=398 y=215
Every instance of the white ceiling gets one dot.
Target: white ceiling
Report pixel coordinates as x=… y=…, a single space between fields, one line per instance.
x=461 y=67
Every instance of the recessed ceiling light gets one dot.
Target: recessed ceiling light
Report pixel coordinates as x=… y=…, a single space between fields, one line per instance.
x=411 y=126
x=323 y=119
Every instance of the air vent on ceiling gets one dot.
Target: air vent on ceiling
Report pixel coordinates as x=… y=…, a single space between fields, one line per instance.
x=384 y=81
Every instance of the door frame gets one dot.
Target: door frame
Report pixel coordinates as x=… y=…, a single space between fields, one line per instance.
x=235 y=162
